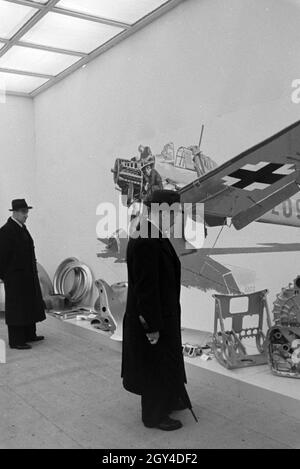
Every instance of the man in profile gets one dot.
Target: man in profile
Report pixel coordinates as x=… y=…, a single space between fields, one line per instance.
x=152 y=360
x=24 y=305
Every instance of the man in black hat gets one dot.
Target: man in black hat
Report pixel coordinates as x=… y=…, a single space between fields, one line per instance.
x=152 y=359
x=24 y=305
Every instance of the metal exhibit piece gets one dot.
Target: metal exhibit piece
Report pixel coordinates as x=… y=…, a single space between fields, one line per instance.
x=45 y=281
x=287 y=305
x=110 y=307
x=83 y=280
x=73 y=313
x=191 y=351
x=283 y=339
x=227 y=345
x=56 y=302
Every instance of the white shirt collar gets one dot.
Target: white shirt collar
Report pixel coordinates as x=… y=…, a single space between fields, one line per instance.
x=20 y=224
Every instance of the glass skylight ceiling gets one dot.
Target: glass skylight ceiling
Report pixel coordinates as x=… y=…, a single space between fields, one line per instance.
x=20 y=83
x=67 y=32
x=42 y=41
x=36 y=61
x=12 y=17
x=126 y=11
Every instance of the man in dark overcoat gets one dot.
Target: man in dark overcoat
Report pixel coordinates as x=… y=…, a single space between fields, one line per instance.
x=152 y=359
x=24 y=305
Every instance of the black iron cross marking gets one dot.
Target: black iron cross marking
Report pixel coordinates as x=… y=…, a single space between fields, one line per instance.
x=264 y=175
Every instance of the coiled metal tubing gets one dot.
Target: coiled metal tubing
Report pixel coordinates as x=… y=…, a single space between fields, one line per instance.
x=83 y=280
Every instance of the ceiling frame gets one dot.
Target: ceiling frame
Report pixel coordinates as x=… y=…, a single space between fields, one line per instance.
x=51 y=49
x=28 y=25
x=26 y=73
x=75 y=14
x=96 y=19
x=43 y=9
x=38 y=6
x=18 y=94
x=46 y=48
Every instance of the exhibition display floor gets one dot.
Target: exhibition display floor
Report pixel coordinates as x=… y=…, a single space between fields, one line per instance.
x=255 y=383
x=67 y=393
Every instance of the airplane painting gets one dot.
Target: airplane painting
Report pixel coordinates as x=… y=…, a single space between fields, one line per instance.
x=260 y=184
x=256 y=185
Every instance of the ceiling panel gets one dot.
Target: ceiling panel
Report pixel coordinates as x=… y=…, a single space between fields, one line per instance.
x=55 y=38
x=126 y=11
x=13 y=17
x=20 y=83
x=70 y=33
x=37 y=61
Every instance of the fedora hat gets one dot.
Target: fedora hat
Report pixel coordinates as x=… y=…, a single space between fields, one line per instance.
x=19 y=204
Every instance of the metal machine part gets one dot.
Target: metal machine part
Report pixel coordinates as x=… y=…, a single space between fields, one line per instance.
x=61 y=267
x=228 y=346
x=56 y=302
x=73 y=313
x=104 y=324
x=45 y=281
x=110 y=306
x=191 y=351
x=287 y=305
x=283 y=339
x=283 y=345
x=83 y=280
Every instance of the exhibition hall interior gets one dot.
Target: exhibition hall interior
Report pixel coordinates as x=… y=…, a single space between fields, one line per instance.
x=106 y=105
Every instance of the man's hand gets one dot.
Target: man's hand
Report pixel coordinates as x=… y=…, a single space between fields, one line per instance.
x=153 y=337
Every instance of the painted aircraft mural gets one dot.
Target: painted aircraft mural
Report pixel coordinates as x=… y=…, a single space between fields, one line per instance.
x=256 y=185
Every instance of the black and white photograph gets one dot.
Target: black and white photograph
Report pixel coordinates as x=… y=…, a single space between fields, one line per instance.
x=149 y=227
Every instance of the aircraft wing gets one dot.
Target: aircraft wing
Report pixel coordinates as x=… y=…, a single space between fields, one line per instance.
x=254 y=182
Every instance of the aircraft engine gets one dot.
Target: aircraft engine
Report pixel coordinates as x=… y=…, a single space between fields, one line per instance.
x=283 y=339
x=128 y=177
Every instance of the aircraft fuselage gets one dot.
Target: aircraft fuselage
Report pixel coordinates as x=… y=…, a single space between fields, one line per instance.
x=286 y=213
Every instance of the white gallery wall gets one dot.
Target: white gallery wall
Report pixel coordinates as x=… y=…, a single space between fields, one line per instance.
x=17 y=152
x=17 y=156
x=228 y=64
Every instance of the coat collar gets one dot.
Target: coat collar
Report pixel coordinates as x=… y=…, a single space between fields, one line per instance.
x=15 y=226
x=16 y=221
x=12 y=224
x=153 y=230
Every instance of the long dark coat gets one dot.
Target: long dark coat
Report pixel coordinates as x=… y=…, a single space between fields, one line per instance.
x=23 y=298
x=153 y=292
